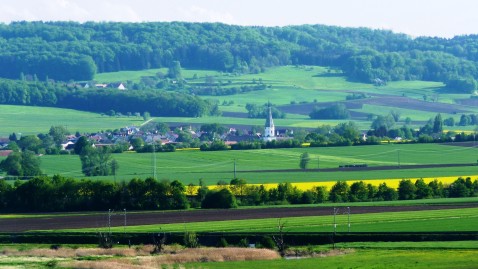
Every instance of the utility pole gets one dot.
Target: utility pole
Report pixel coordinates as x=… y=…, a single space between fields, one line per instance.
x=318 y=163
x=235 y=168
x=348 y=217
x=154 y=161
x=109 y=221
x=336 y=210
x=398 y=158
x=124 y=227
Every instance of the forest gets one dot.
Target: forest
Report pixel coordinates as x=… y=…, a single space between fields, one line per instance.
x=108 y=101
x=76 y=51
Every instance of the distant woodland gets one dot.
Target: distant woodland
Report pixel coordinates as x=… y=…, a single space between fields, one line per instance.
x=108 y=101
x=69 y=50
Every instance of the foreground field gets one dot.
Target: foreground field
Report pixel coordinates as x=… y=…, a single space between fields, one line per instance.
x=80 y=256
x=365 y=259
x=282 y=165
x=397 y=255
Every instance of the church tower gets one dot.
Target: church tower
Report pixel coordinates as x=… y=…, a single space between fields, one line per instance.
x=270 y=129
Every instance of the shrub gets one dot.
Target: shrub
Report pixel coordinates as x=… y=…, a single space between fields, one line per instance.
x=267 y=242
x=222 y=243
x=190 y=240
x=244 y=243
x=219 y=199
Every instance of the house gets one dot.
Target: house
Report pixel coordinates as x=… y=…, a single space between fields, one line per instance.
x=4 y=142
x=101 y=145
x=5 y=153
x=84 y=85
x=117 y=85
x=101 y=86
x=68 y=145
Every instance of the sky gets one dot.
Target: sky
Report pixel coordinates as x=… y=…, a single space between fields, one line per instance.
x=442 y=18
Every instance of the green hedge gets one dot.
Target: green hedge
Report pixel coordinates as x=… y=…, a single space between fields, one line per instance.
x=213 y=239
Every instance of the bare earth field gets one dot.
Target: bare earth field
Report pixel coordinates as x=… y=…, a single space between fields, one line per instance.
x=386 y=101
x=98 y=220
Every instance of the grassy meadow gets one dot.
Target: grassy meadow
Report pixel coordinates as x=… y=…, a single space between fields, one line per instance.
x=189 y=166
x=291 y=84
x=29 y=120
x=286 y=85
x=363 y=259
x=397 y=255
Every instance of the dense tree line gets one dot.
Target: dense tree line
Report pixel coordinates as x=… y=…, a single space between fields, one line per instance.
x=44 y=194
x=66 y=194
x=21 y=164
x=336 y=111
x=220 y=90
x=43 y=48
x=156 y=102
x=262 y=111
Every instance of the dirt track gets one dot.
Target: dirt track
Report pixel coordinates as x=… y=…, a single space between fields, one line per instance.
x=161 y=217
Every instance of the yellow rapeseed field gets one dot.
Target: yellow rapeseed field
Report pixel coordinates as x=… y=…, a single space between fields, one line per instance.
x=393 y=183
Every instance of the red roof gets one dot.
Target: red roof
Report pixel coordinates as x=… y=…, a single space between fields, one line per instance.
x=5 y=153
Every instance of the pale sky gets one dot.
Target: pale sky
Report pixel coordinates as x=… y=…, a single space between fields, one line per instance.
x=444 y=18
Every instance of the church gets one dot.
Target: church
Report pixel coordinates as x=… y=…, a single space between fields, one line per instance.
x=269 y=129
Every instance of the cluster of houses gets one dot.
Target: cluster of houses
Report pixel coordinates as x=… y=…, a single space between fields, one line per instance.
x=121 y=136
x=90 y=85
x=125 y=135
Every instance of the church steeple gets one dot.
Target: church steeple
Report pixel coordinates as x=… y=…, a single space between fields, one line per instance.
x=269 y=128
x=269 y=120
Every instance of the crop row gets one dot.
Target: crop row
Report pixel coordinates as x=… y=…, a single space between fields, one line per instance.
x=410 y=221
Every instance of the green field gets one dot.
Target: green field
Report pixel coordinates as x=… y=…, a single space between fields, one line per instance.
x=29 y=120
x=189 y=166
x=135 y=76
x=291 y=84
x=407 y=221
x=364 y=259
x=287 y=84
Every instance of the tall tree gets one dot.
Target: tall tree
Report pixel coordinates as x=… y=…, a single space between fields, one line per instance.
x=174 y=70
x=58 y=133
x=304 y=160
x=438 y=124
x=406 y=190
x=81 y=144
x=96 y=161
x=114 y=167
x=24 y=164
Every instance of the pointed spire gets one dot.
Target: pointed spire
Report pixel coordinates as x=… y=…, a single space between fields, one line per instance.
x=269 y=120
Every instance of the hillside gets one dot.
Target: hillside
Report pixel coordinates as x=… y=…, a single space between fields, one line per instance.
x=194 y=72
x=69 y=50
x=296 y=90
x=35 y=120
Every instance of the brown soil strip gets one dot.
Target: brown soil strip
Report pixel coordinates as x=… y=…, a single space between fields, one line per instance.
x=163 y=217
